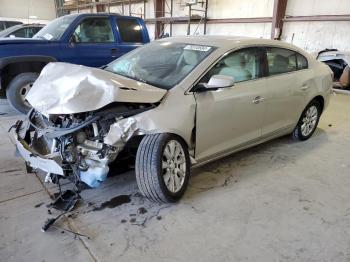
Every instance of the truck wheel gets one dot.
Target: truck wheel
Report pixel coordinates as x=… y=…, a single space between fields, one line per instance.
x=18 y=89
x=162 y=167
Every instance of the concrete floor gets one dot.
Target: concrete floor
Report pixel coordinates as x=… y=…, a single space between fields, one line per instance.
x=281 y=201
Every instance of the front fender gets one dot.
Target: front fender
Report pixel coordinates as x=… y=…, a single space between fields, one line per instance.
x=5 y=61
x=30 y=58
x=175 y=114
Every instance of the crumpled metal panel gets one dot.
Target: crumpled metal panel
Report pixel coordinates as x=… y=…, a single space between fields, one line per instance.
x=176 y=114
x=64 y=88
x=122 y=132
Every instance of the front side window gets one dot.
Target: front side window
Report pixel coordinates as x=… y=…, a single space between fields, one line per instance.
x=280 y=60
x=162 y=64
x=94 y=30
x=130 y=31
x=242 y=65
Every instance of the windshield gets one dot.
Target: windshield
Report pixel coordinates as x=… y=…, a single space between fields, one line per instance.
x=55 y=29
x=161 y=64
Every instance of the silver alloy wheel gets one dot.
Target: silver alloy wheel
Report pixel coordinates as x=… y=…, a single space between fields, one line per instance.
x=23 y=92
x=174 y=166
x=309 y=121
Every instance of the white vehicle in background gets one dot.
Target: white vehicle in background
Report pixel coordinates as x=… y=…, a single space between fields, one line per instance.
x=172 y=104
x=23 y=31
x=6 y=24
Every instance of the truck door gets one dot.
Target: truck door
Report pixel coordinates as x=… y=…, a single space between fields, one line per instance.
x=92 y=42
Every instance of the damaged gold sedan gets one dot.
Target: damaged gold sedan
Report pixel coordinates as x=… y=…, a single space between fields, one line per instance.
x=172 y=104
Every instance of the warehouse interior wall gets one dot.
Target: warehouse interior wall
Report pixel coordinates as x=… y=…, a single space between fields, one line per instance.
x=28 y=11
x=311 y=36
x=318 y=35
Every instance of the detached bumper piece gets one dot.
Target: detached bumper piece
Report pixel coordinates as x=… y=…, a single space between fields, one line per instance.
x=33 y=158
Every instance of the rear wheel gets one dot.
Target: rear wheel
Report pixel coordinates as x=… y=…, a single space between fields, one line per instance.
x=308 y=121
x=162 y=167
x=18 y=89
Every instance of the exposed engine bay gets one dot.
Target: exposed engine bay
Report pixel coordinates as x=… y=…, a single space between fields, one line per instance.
x=76 y=142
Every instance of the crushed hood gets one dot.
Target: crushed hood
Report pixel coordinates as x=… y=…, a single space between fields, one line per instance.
x=64 y=88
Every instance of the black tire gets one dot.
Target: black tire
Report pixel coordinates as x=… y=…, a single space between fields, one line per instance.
x=297 y=134
x=149 y=171
x=14 y=89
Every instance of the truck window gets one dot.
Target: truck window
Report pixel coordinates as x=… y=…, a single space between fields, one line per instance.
x=130 y=30
x=94 y=30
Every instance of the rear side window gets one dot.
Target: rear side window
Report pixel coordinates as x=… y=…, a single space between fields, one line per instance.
x=130 y=30
x=9 y=24
x=301 y=62
x=20 y=33
x=280 y=60
x=37 y=29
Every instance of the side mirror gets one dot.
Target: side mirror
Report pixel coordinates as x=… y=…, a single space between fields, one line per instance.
x=72 y=41
x=216 y=82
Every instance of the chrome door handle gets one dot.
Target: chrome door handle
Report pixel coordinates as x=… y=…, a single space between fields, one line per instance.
x=258 y=99
x=304 y=87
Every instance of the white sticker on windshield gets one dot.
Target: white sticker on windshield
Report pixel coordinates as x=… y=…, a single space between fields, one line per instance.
x=48 y=36
x=197 y=48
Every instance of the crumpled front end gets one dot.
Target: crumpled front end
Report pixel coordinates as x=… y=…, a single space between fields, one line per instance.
x=77 y=145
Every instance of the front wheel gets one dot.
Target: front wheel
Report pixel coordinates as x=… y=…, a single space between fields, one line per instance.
x=18 y=89
x=308 y=121
x=162 y=167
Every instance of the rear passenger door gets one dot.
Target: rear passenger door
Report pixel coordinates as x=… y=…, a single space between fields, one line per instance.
x=130 y=34
x=92 y=43
x=283 y=94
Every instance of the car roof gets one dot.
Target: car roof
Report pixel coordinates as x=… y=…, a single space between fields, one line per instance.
x=35 y=25
x=99 y=14
x=227 y=42
x=26 y=25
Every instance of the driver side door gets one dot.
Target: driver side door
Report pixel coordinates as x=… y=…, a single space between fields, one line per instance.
x=94 y=42
x=231 y=118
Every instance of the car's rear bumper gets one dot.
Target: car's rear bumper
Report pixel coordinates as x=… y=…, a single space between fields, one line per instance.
x=47 y=164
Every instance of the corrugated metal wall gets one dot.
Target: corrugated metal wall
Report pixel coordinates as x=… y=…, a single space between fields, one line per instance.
x=315 y=36
x=43 y=10
x=311 y=36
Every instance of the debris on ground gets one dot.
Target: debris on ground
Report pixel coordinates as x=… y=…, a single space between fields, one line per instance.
x=65 y=201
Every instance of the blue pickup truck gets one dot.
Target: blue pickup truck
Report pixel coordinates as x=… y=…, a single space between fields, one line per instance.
x=85 y=39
